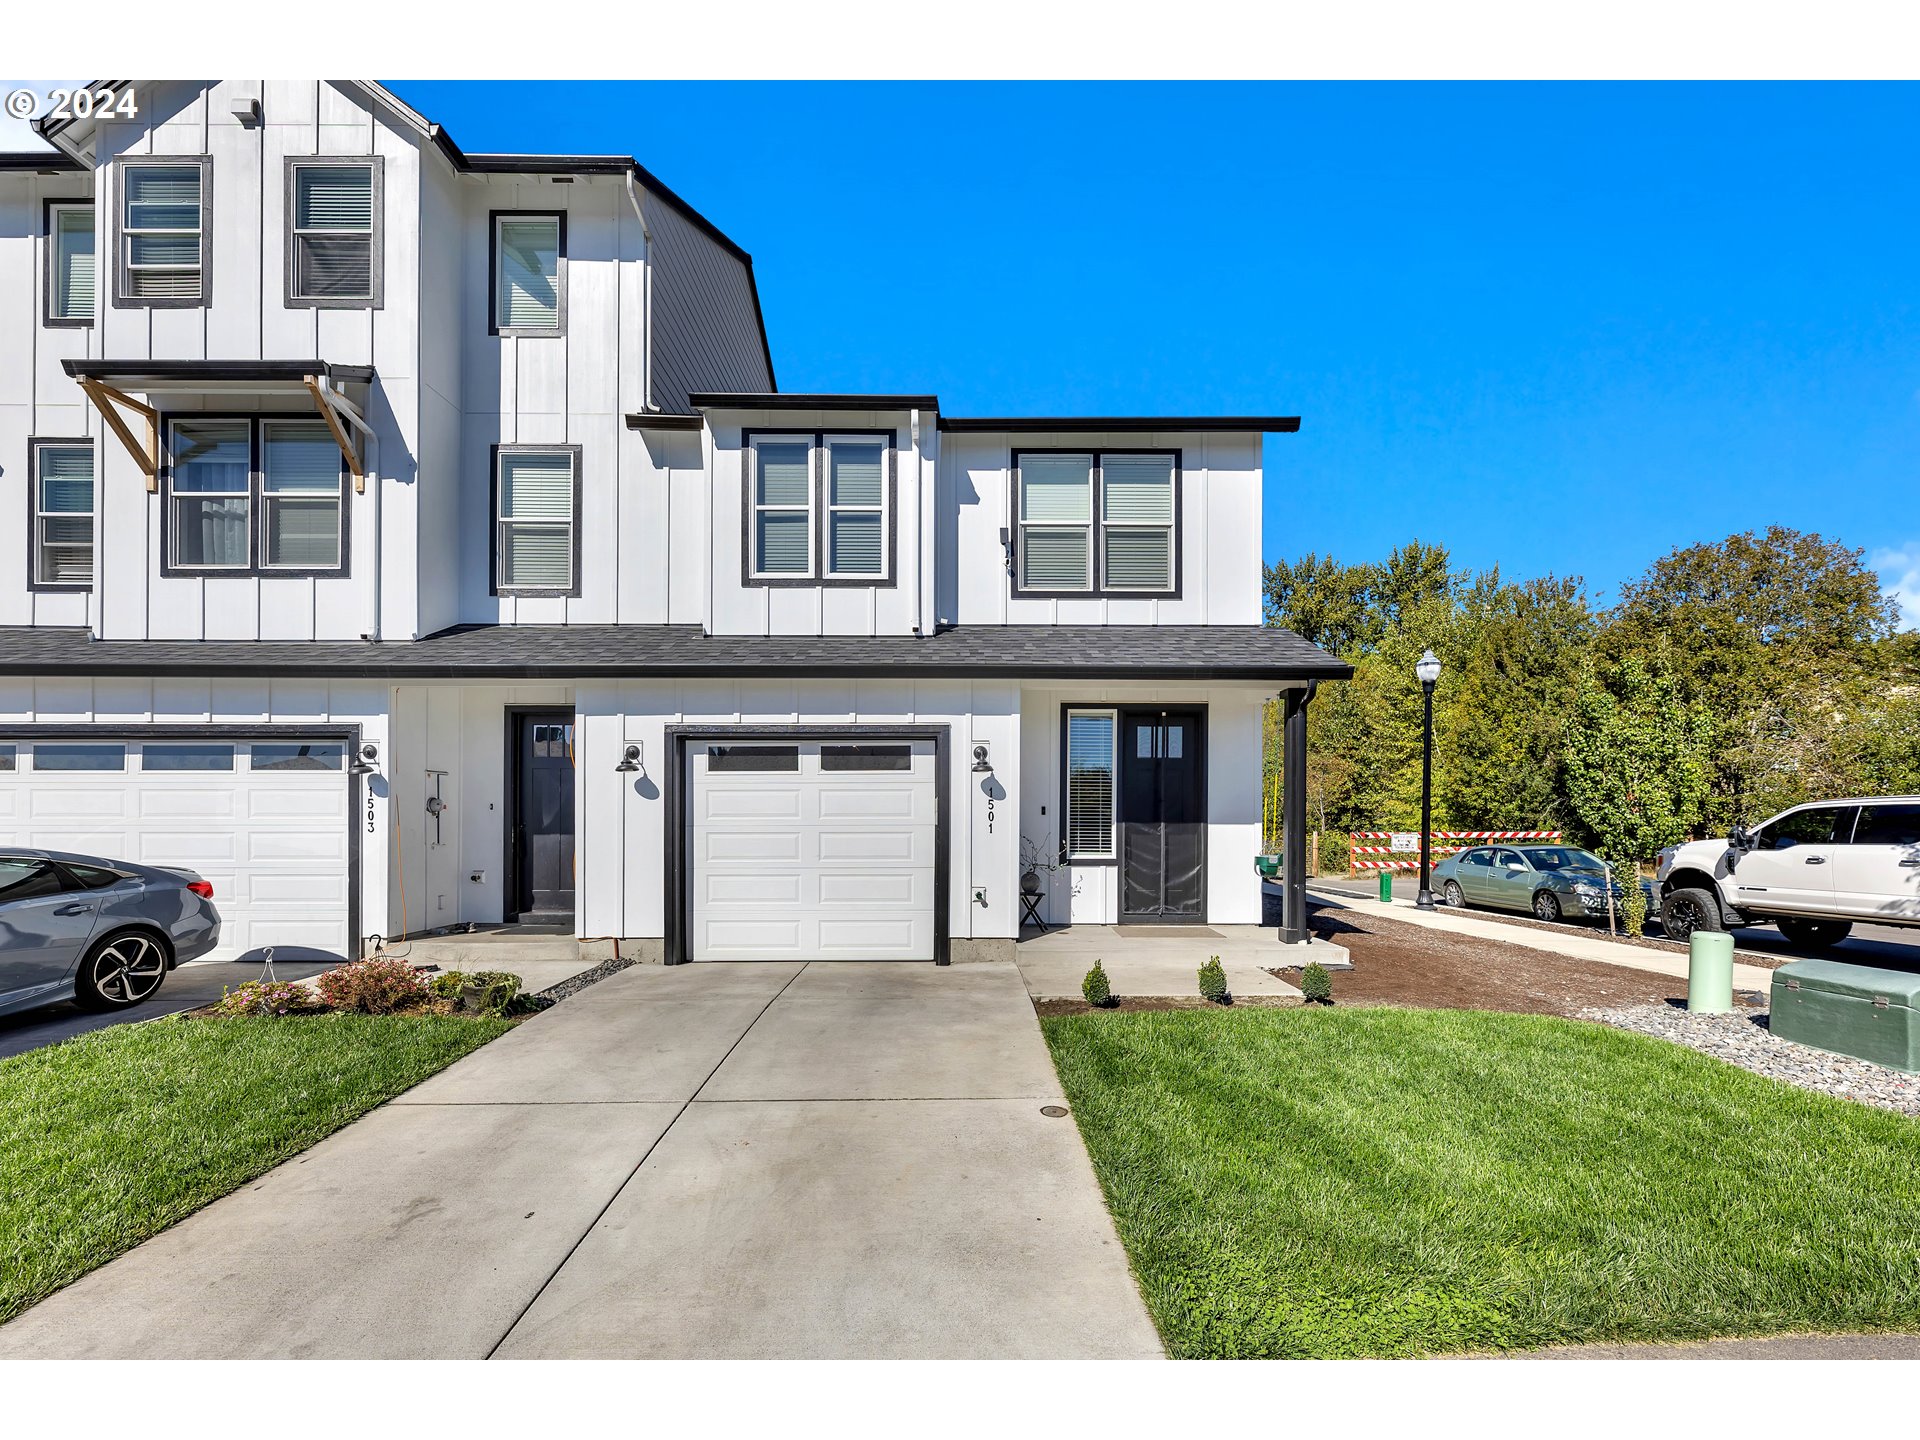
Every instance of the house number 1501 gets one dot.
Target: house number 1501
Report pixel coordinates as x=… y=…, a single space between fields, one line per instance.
x=369 y=812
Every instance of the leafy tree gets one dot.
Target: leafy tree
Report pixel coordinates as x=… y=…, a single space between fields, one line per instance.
x=1636 y=760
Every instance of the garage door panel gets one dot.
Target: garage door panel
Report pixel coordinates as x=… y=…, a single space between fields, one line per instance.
x=844 y=858
x=273 y=843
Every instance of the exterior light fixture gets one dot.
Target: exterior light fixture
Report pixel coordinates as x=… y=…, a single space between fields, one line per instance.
x=629 y=760
x=981 y=764
x=1427 y=670
x=365 y=760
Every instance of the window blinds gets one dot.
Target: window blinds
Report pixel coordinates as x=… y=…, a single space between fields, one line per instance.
x=536 y=520
x=527 y=281
x=856 y=493
x=1090 y=767
x=301 y=480
x=333 y=224
x=64 y=506
x=73 y=267
x=162 y=231
x=783 y=516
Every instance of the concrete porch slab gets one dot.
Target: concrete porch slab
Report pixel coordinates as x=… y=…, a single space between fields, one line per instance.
x=649 y=1033
x=415 y=1233
x=827 y=1230
x=1164 y=964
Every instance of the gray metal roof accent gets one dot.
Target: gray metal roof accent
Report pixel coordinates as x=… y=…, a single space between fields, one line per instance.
x=1138 y=652
x=292 y=371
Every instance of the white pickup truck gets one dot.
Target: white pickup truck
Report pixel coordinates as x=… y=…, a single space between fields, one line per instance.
x=1814 y=871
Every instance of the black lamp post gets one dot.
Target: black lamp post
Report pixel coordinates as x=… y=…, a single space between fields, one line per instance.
x=1428 y=669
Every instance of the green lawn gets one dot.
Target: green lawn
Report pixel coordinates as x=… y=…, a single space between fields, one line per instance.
x=112 y=1137
x=1402 y=1182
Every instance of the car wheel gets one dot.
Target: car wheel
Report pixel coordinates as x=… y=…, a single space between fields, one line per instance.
x=1685 y=911
x=1546 y=906
x=1454 y=894
x=120 y=971
x=1815 y=934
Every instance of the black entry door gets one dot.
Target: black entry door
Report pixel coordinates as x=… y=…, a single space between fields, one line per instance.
x=1163 y=807
x=543 y=814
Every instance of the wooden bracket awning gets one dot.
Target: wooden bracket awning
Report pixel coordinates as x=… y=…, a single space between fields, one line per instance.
x=108 y=383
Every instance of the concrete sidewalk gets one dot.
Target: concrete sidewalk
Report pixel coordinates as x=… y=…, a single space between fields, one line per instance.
x=1571 y=941
x=1164 y=960
x=700 y=1161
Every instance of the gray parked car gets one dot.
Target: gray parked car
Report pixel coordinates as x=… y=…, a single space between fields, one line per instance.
x=102 y=933
x=1555 y=882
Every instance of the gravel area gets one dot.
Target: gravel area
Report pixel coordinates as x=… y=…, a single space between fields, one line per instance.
x=1743 y=1039
x=574 y=984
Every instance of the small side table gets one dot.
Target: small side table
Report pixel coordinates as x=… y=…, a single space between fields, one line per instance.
x=1030 y=905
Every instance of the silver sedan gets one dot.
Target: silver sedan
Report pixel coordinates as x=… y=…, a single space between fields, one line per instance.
x=101 y=933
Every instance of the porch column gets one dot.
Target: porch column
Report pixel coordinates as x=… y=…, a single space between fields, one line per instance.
x=1293 y=816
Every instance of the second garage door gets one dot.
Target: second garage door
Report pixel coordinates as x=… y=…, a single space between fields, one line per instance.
x=811 y=850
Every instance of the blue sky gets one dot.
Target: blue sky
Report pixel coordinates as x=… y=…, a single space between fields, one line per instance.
x=1556 y=327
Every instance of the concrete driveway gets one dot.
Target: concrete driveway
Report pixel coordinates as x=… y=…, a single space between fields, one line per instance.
x=818 y=1160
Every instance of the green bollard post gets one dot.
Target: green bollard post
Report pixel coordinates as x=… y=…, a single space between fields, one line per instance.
x=1386 y=887
x=1710 y=972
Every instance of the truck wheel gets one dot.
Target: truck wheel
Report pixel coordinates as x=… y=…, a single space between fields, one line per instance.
x=1814 y=934
x=1685 y=911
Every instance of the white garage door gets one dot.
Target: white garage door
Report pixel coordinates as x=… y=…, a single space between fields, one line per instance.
x=264 y=820
x=811 y=850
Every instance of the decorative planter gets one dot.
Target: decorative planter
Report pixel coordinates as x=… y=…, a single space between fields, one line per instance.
x=1030 y=883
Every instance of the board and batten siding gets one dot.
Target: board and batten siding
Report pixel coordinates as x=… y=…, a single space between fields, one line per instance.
x=36 y=397
x=246 y=318
x=1219 y=534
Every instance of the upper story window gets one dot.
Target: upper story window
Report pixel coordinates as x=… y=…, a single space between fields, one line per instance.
x=62 y=527
x=256 y=495
x=333 y=233
x=1097 y=522
x=529 y=273
x=70 y=267
x=161 y=237
x=536 y=546
x=819 y=509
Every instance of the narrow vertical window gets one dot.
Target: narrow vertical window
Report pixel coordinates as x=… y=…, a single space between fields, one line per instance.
x=210 y=490
x=300 y=492
x=856 y=508
x=536 y=544
x=70 y=266
x=1056 y=522
x=63 y=502
x=528 y=262
x=162 y=233
x=1091 y=748
x=333 y=236
x=782 y=503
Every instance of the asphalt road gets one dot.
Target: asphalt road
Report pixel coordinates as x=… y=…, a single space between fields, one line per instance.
x=187 y=988
x=1886 y=946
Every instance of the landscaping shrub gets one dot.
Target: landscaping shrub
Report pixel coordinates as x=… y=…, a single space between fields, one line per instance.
x=374 y=987
x=1633 y=902
x=489 y=992
x=1213 y=982
x=1316 y=985
x=1336 y=853
x=265 y=997
x=1095 y=987
x=446 y=985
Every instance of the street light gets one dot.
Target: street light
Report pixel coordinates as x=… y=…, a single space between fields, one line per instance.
x=1427 y=668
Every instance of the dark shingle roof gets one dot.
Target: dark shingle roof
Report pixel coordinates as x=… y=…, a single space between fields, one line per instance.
x=1192 y=652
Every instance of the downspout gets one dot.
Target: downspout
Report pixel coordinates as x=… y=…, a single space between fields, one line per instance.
x=646 y=295
x=374 y=487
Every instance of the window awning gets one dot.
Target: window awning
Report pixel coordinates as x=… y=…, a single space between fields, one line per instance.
x=337 y=392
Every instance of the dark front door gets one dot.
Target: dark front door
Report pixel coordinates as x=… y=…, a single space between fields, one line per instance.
x=543 y=814
x=1163 y=811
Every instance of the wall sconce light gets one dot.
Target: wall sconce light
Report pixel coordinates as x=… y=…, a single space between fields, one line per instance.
x=365 y=759
x=629 y=760
x=981 y=764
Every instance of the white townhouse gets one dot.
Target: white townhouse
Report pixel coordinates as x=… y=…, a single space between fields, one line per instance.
x=410 y=539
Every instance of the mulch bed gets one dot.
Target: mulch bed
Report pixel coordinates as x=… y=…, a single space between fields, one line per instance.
x=1400 y=964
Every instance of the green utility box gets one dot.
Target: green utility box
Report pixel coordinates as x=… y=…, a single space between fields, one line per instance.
x=1268 y=866
x=1850 y=1009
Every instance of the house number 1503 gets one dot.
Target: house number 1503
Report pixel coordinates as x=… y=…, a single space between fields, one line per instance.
x=369 y=812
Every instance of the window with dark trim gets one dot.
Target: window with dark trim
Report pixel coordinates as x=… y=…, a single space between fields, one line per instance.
x=71 y=268
x=333 y=232
x=528 y=294
x=756 y=758
x=61 y=525
x=866 y=757
x=536 y=520
x=818 y=508
x=1096 y=522
x=309 y=755
x=1092 y=753
x=163 y=255
x=254 y=495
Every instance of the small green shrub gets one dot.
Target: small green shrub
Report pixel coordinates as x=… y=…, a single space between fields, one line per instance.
x=1096 y=988
x=1336 y=852
x=1633 y=900
x=1316 y=985
x=1213 y=982
x=489 y=992
x=263 y=997
x=381 y=986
